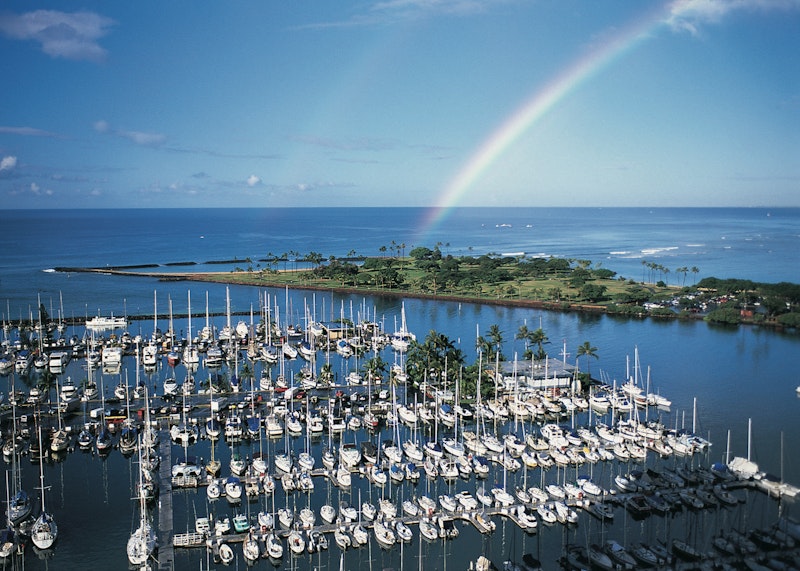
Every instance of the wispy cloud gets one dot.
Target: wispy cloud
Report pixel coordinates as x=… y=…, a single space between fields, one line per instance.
x=394 y=11
x=317 y=186
x=142 y=138
x=691 y=15
x=360 y=144
x=418 y=7
x=38 y=190
x=218 y=154
x=253 y=180
x=28 y=132
x=72 y=35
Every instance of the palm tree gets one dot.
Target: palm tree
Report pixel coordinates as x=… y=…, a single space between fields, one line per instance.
x=483 y=345
x=524 y=333
x=375 y=367
x=432 y=355
x=695 y=270
x=326 y=374
x=496 y=337
x=538 y=338
x=589 y=351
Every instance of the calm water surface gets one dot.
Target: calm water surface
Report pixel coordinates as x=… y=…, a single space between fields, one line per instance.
x=732 y=374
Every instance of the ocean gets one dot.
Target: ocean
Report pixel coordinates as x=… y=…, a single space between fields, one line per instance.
x=729 y=376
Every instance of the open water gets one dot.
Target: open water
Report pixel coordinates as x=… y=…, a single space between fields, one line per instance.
x=732 y=374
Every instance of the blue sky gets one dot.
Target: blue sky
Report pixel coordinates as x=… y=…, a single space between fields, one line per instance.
x=400 y=103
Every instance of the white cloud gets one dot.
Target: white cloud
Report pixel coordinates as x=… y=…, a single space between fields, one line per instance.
x=34 y=188
x=101 y=126
x=689 y=15
x=445 y=6
x=400 y=11
x=253 y=180
x=8 y=163
x=27 y=131
x=142 y=138
x=67 y=35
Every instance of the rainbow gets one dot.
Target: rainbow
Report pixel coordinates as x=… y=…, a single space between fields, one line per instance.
x=526 y=116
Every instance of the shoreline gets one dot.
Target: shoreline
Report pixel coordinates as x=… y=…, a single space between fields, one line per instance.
x=220 y=277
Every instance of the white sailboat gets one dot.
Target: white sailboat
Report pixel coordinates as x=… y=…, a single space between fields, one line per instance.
x=44 y=530
x=191 y=355
x=19 y=506
x=142 y=541
x=402 y=338
x=150 y=350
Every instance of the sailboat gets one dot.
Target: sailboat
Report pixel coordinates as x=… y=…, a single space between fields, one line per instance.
x=142 y=541
x=173 y=355
x=190 y=352
x=60 y=438
x=44 y=530
x=19 y=506
x=402 y=338
x=150 y=350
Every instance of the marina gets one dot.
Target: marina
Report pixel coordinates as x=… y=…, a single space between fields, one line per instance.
x=731 y=387
x=542 y=454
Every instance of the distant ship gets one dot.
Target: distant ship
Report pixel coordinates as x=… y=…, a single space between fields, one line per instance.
x=99 y=322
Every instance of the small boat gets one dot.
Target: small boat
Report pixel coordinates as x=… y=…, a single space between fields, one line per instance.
x=274 y=546
x=601 y=510
x=638 y=506
x=547 y=514
x=428 y=529
x=285 y=517
x=202 y=525
x=685 y=551
x=342 y=538
x=620 y=556
x=214 y=489
x=384 y=534
x=467 y=501
x=359 y=534
x=368 y=511
x=347 y=512
x=645 y=556
x=387 y=507
x=266 y=520
x=8 y=543
x=484 y=497
x=225 y=554
x=240 y=523
x=725 y=496
x=296 y=542
x=233 y=487
x=19 y=507
x=250 y=548
x=317 y=541
x=307 y=518
x=410 y=508
x=403 y=532
x=598 y=559
x=448 y=502
x=327 y=513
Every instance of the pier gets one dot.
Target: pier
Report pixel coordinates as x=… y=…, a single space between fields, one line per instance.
x=166 y=556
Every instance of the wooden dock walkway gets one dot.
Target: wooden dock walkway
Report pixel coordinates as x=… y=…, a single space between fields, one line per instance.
x=166 y=554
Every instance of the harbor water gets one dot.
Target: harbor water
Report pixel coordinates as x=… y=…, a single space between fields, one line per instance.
x=719 y=379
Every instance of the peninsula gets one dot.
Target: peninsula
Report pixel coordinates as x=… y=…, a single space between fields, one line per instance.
x=558 y=284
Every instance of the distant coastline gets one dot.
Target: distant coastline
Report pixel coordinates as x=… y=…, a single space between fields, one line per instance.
x=654 y=306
